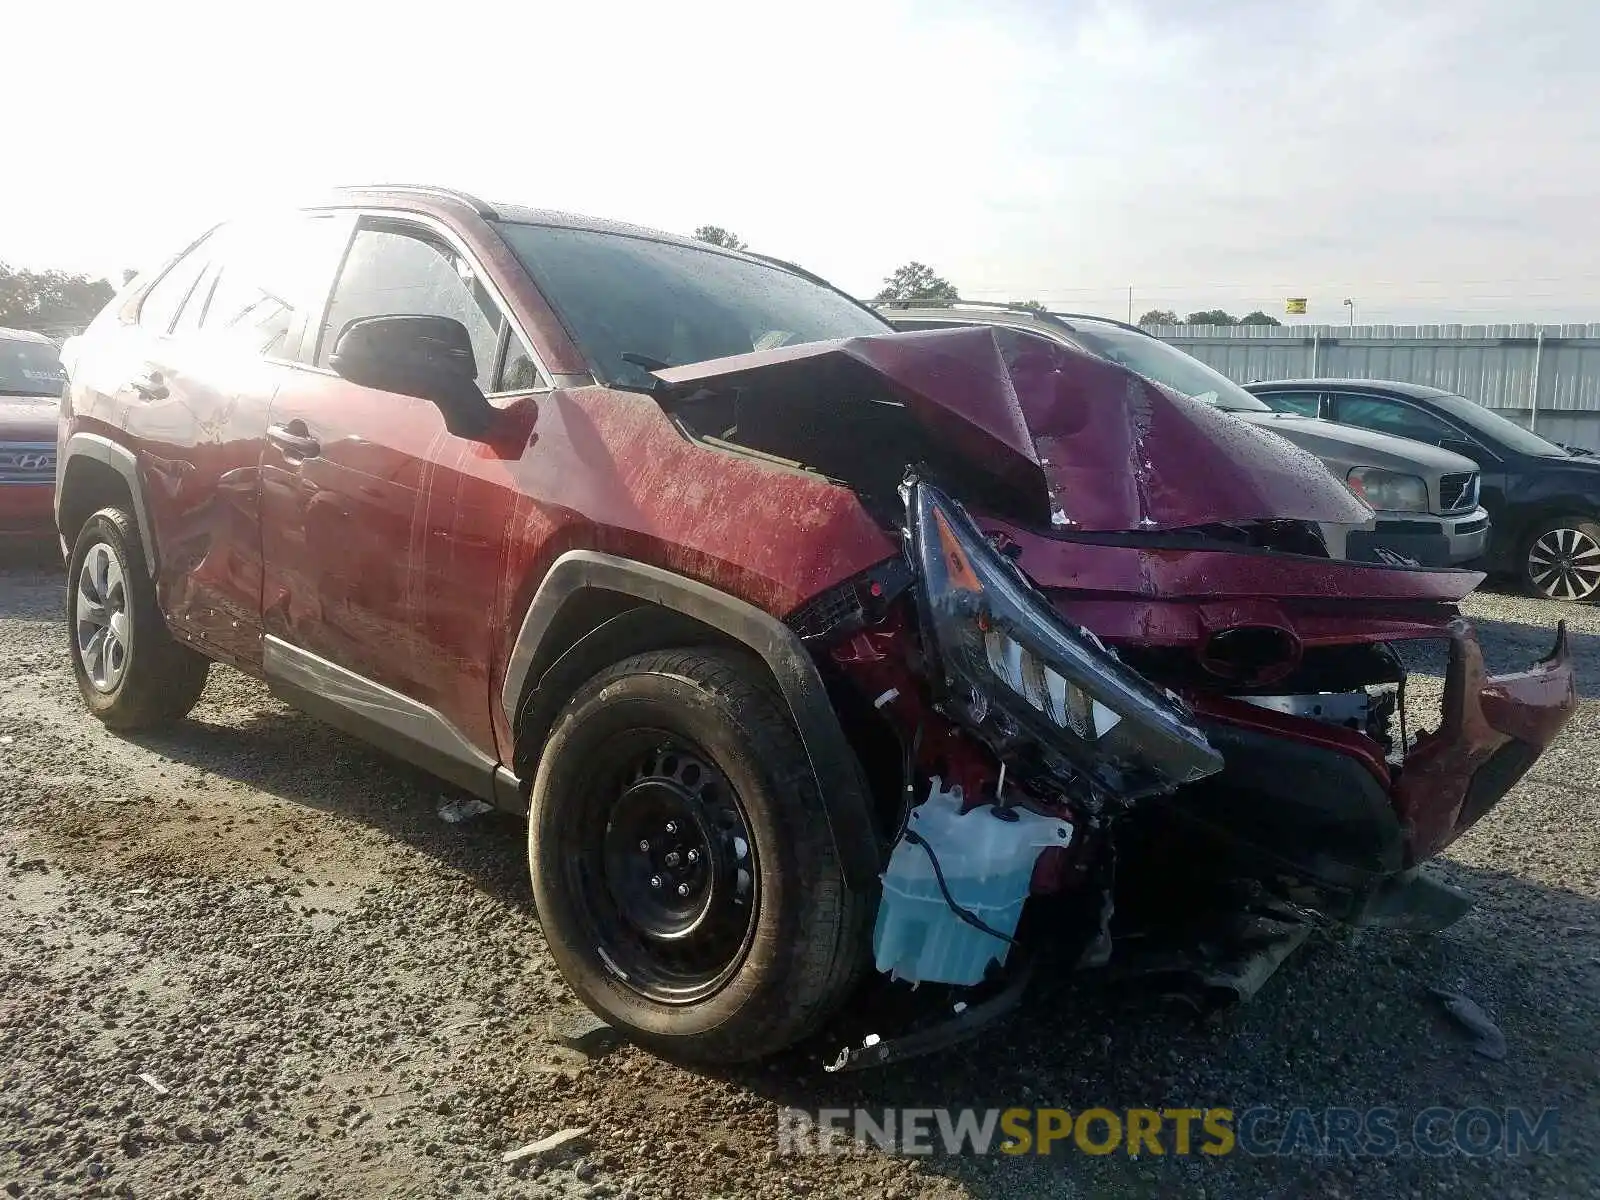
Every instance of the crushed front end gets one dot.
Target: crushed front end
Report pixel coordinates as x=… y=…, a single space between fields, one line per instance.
x=1121 y=660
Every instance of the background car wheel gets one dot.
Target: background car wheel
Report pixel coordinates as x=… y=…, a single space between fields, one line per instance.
x=1561 y=559
x=131 y=672
x=682 y=862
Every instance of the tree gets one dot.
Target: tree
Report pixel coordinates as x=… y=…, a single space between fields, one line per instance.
x=1258 y=318
x=718 y=236
x=50 y=301
x=1212 y=316
x=915 y=281
x=1029 y=305
x=127 y=275
x=1159 y=316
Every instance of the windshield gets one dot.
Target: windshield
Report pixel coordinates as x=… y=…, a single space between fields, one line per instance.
x=30 y=368
x=665 y=303
x=1167 y=365
x=1495 y=427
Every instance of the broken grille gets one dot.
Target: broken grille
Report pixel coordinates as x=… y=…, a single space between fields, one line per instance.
x=1458 y=491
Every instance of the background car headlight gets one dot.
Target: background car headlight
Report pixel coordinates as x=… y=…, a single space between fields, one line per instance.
x=1389 y=490
x=1000 y=646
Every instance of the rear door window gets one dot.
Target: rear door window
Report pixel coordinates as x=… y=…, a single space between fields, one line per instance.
x=266 y=276
x=1390 y=416
x=161 y=303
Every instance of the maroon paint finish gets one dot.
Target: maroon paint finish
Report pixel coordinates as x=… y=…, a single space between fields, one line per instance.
x=608 y=470
x=197 y=439
x=1481 y=714
x=1105 y=448
x=27 y=510
x=410 y=555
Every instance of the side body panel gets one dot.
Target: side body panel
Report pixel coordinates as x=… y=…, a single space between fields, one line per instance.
x=375 y=560
x=191 y=416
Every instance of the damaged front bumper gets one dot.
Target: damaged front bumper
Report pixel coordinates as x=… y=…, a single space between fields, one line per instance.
x=1491 y=730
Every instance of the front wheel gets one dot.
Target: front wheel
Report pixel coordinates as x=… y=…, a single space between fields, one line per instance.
x=682 y=863
x=1561 y=559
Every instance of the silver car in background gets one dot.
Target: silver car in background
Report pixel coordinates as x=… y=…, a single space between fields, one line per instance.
x=1425 y=498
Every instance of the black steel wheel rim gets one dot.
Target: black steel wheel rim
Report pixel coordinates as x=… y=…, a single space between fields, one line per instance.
x=663 y=868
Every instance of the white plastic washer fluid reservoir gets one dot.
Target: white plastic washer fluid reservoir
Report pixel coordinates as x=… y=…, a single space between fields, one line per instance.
x=987 y=860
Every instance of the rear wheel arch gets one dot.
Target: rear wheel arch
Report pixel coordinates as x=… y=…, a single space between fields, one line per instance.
x=1525 y=517
x=98 y=473
x=592 y=610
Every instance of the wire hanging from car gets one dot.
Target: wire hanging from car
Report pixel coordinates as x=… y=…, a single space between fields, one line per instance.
x=906 y=833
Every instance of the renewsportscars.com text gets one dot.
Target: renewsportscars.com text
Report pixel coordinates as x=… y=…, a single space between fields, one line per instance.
x=1260 y=1131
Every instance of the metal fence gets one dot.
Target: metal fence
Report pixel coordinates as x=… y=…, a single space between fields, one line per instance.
x=1544 y=377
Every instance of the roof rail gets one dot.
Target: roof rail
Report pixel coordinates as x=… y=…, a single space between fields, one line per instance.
x=1048 y=316
x=1106 y=320
x=480 y=207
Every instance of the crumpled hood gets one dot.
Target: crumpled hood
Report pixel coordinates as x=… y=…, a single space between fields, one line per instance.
x=1089 y=445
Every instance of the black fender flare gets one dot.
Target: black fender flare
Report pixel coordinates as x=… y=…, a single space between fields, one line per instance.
x=121 y=460
x=840 y=780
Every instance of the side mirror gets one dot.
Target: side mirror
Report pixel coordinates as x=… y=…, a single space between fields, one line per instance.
x=427 y=357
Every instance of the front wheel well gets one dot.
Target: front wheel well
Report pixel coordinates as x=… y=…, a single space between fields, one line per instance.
x=594 y=630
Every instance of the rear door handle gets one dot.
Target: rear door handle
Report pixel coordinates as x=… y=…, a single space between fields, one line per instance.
x=150 y=385
x=294 y=440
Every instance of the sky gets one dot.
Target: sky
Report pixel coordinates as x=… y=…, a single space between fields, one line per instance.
x=1430 y=160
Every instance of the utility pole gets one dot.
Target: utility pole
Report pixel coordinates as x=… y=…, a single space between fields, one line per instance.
x=1130 y=304
x=1351 y=305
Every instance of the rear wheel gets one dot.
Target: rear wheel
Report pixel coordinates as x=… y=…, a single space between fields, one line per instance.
x=1561 y=559
x=130 y=671
x=682 y=862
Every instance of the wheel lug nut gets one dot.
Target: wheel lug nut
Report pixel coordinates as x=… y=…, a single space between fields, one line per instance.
x=672 y=827
x=644 y=845
x=672 y=859
x=683 y=889
x=694 y=856
x=655 y=881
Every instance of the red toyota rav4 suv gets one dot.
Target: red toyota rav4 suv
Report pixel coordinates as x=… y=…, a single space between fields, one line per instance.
x=804 y=643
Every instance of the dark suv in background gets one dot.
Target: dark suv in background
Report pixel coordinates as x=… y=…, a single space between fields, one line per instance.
x=806 y=645
x=1543 y=499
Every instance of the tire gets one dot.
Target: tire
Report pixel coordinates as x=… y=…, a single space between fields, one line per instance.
x=136 y=676
x=686 y=732
x=1560 y=559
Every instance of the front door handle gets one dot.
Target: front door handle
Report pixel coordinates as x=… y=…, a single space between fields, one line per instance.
x=150 y=385
x=294 y=439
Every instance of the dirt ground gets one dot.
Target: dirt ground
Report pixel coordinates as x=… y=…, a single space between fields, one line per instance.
x=246 y=957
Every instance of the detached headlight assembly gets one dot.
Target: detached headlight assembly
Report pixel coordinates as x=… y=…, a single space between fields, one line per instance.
x=999 y=645
x=1389 y=491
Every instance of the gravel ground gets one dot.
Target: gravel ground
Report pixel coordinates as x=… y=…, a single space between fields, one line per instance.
x=246 y=957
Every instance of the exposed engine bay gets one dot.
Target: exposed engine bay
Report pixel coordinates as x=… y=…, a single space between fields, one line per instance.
x=1121 y=659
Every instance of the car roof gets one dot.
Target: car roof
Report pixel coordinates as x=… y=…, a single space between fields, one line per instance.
x=1397 y=387
x=429 y=198
x=24 y=335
